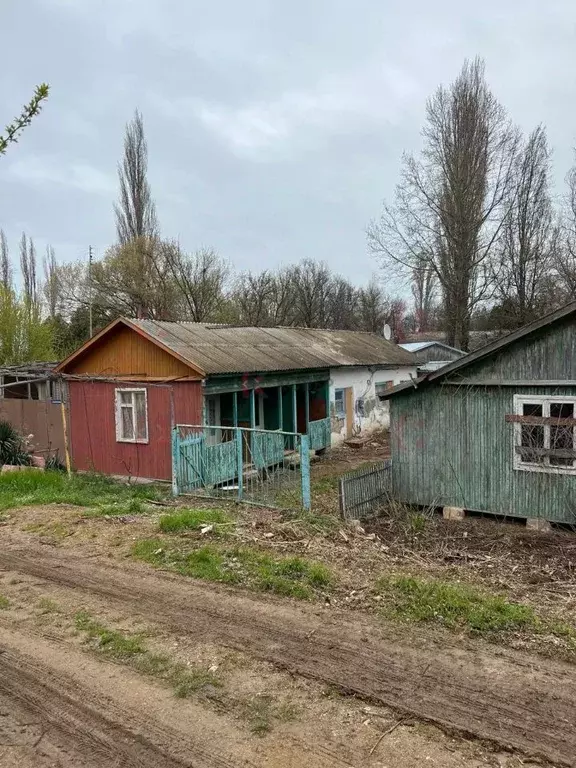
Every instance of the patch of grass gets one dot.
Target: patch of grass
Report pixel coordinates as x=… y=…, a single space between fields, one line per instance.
x=317 y=523
x=111 y=642
x=287 y=576
x=459 y=606
x=326 y=484
x=4 y=603
x=130 y=649
x=47 y=605
x=27 y=488
x=56 y=529
x=261 y=711
x=194 y=519
x=131 y=507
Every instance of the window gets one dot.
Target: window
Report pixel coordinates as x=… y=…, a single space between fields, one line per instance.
x=339 y=405
x=381 y=387
x=545 y=433
x=131 y=416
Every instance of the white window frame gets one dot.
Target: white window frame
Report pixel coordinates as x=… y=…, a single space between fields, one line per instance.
x=118 y=409
x=340 y=414
x=545 y=401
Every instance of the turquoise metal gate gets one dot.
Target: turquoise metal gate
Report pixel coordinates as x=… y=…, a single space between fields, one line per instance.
x=258 y=466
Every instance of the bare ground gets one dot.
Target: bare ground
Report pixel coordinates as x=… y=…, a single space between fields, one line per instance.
x=512 y=699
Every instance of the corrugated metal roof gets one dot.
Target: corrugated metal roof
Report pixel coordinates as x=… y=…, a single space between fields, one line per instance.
x=416 y=346
x=232 y=349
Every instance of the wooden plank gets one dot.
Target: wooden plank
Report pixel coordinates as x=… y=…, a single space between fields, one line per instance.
x=515 y=418
x=280 y=409
x=349 y=395
x=220 y=384
x=553 y=453
x=510 y=382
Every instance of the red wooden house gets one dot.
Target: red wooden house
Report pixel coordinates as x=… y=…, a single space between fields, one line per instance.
x=136 y=379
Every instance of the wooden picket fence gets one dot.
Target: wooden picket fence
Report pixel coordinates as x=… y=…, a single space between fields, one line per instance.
x=364 y=491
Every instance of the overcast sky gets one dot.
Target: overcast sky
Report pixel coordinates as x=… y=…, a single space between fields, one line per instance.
x=275 y=129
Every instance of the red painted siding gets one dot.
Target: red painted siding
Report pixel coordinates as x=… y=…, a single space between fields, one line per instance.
x=93 y=427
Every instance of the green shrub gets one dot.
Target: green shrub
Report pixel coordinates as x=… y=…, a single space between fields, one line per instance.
x=12 y=447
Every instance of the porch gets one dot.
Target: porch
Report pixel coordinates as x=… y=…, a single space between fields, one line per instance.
x=291 y=402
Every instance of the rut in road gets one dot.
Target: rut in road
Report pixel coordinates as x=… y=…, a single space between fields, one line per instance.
x=84 y=730
x=512 y=699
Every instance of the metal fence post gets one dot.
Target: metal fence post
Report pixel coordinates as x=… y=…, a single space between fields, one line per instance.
x=305 y=471
x=240 y=463
x=175 y=452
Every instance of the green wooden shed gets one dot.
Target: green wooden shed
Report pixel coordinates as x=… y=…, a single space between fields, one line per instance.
x=494 y=431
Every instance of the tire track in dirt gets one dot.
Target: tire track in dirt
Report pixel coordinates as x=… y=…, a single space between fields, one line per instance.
x=512 y=699
x=84 y=730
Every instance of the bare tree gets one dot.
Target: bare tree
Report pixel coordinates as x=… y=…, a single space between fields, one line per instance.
x=52 y=292
x=565 y=260
x=374 y=308
x=28 y=268
x=135 y=279
x=253 y=297
x=135 y=211
x=5 y=265
x=200 y=278
x=529 y=235
x=450 y=202
x=311 y=280
x=424 y=283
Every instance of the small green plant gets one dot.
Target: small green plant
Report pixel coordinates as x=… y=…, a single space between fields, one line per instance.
x=418 y=523
x=287 y=576
x=54 y=464
x=47 y=605
x=12 y=447
x=194 y=519
x=4 y=602
x=262 y=710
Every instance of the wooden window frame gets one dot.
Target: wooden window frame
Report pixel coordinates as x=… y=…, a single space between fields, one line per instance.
x=545 y=401
x=337 y=413
x=118 y=414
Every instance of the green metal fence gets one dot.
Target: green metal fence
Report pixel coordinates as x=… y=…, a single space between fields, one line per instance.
x=364 y=491
x=258 y=466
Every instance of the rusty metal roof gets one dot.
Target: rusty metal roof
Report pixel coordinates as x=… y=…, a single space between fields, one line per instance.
x=232 y=349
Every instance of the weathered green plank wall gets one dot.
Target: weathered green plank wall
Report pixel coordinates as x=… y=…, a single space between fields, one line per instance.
x=451 y=446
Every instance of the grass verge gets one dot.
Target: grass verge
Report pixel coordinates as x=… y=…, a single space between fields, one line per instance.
x=27 y=488
x=131 y=649
x=195 y=519
x=459 y=606
x=287 y=576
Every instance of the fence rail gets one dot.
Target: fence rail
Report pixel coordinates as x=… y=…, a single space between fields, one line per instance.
x=364 y=491
x=270 y=468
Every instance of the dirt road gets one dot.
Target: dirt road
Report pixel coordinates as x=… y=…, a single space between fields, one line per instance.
x=513 y=699
x=56 y=721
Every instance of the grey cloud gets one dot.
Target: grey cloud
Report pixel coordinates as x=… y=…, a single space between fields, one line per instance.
x=275 y=129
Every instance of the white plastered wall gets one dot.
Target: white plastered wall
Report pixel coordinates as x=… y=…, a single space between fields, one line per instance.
x=368 y=412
